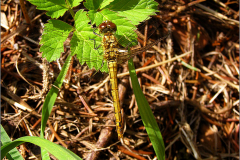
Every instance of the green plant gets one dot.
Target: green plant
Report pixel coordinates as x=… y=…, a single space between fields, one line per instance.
x=125 y=14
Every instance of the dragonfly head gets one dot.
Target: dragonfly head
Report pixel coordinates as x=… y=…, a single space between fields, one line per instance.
x=107 y=27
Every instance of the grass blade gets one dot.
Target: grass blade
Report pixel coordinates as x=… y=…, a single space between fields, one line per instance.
x=147 y=115
x=13 y=154
x=56 y=150
x=50 y=100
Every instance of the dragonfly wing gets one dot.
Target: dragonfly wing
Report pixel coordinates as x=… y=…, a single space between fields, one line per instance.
x=124 y=56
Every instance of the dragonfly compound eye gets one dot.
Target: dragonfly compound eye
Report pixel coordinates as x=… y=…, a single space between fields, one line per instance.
x=102 y=25
x=107 y=26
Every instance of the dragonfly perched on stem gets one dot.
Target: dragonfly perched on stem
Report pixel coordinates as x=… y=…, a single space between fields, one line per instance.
x=114 y=56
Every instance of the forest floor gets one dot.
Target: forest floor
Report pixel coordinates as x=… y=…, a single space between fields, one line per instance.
x=196 y=106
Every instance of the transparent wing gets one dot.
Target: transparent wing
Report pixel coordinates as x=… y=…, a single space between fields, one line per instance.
x=125 y=55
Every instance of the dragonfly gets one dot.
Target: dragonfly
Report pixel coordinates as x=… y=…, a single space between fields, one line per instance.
x=114 y=56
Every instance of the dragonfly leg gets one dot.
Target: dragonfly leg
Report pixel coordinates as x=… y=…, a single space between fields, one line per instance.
x=94 y=41
x=96 y=33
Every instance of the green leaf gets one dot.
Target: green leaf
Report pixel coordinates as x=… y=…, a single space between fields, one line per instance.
x=55 y=8
x=95 y=17
x=105 y=3
x=54 y=34
x=82 y=43
x=137 y=11
x=12 y=154
x=74 y=3
x=58 y=151
x=96 y=4
x=92 y=4
x=147 y=115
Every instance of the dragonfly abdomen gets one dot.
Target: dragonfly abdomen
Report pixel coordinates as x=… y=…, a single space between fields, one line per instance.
x=112 y=67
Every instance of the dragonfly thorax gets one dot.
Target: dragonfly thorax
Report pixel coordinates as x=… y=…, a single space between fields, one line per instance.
x=110 y=47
